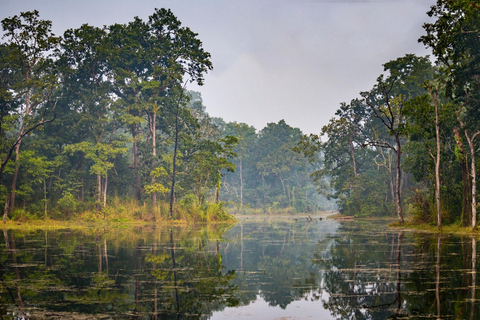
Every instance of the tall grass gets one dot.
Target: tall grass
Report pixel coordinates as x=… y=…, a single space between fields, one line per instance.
x=132 y=211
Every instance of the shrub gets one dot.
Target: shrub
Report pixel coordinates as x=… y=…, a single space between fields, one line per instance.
x=67 y=203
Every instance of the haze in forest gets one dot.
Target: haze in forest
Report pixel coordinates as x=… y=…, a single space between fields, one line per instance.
x=272 y=60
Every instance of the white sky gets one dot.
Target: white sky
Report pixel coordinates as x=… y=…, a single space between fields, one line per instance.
x=273 y=59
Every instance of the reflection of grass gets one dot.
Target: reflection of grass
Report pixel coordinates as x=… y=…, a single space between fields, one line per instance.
x=454 y=229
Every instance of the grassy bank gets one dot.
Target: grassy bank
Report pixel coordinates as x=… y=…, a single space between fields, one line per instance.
x=121 y=213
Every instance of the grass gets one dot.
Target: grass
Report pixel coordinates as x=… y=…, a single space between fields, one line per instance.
x=121 y=213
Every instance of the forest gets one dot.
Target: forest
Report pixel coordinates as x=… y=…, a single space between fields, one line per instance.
x=99 y=123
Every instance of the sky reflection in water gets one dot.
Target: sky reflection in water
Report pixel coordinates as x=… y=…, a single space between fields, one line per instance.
x=262 y=269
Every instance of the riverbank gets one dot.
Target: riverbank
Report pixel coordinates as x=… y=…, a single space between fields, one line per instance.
x=91 y=219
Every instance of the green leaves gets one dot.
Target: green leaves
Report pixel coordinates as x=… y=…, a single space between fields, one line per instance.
x=100 y=154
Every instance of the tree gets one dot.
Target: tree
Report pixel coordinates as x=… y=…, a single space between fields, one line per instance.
x=128 y=45
x=454 y=39
x=31 y=44
x=86 y=73
x=436 y=159
x=277 y=162
x=387 y=100
x=246 y=136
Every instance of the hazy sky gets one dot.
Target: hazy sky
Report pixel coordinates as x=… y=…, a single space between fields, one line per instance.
x=273 y=59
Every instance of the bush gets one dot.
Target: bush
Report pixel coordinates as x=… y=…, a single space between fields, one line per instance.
x=419 y=207
x=22 y=215
x=67 y=203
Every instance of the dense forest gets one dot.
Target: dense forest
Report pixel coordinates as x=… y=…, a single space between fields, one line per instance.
x=101 y=120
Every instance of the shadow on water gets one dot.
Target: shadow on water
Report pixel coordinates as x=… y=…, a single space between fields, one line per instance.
x=265 y=269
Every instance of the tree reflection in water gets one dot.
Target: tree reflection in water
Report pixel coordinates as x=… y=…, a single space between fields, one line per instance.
x=352 y=270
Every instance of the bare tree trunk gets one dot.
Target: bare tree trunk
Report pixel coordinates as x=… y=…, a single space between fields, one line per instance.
x=15 y=178
x=154 y=152
x=436 y=160
x=5 y=212
x=473 y=173
x=474 y=188
x=352 y=154
x=99 y=192
x=136 y=164
x=105 y=191
x=217 y=190
x=466 y=181
x=17 y=149
x=174 y=165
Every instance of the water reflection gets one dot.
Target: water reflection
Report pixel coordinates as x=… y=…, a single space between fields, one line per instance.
x=256 y=269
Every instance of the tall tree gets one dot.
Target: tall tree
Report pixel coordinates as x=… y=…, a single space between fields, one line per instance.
x=86 y=74
x=387 y=101
x=246 y=136
x=454 y=39
x=31 y=44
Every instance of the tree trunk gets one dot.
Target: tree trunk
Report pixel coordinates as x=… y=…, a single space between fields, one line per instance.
x=99 y=192
x=217 y=190
x=174 y=165
x=437 y=159
x=105 y=191
x=5 y=212
x=474 y=187
x=466 y=185
x=154 y=152
x=15 y=178
x=17 y=147
x=136 y=164
x=473 y=170
x=352 y=154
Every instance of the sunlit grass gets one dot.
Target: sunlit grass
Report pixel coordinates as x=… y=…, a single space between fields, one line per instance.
x=121 y=214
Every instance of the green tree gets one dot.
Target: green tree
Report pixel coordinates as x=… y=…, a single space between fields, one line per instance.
x=246 y=136
x=30 y=45
x=453 y=37
x=387 y=100
x=85 y=71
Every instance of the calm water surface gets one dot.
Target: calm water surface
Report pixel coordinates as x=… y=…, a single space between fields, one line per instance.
x=262 y=269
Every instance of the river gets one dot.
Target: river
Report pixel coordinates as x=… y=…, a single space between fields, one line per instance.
x=262 y=268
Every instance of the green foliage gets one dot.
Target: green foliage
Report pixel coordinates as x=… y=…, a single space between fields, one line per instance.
x=420 y=207
x=122 y=113
x=67 y=204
